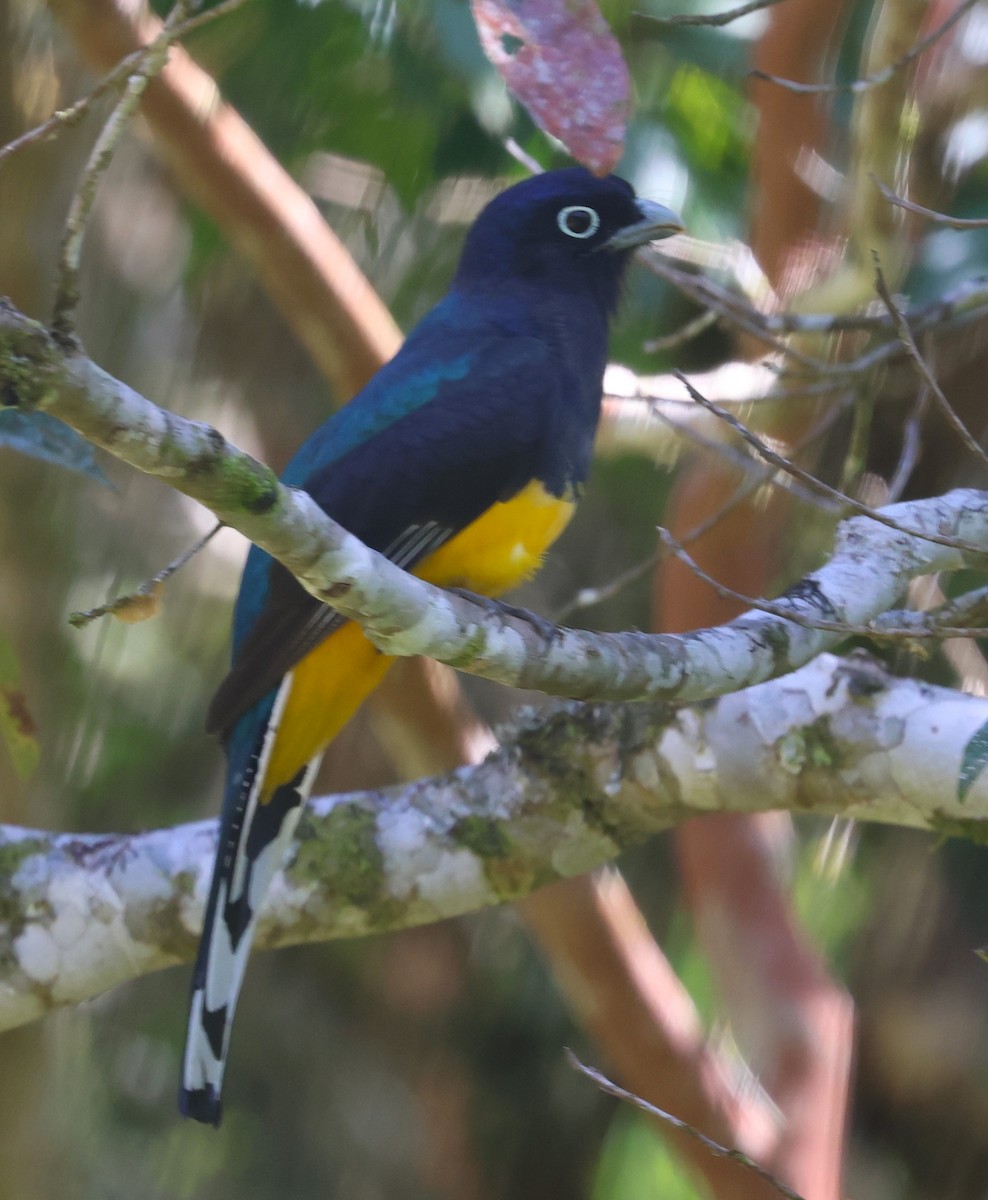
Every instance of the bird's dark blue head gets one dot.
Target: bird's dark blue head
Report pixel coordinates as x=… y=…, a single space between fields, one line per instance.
x=566 y=229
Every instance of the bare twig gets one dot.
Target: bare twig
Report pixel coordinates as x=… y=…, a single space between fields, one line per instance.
x=590 y=597
x=930 y=214
x=628 y=998
x=758 y=475
x=67 y=291
x=868 y=322
x=766 y=606
x=811 y=481
x=894 y=625
x=142 y=603
x=521 y=155
x=221 y=165
x=715 y=20
x=909 y=454
x=904 y=333
x=716 y=1148
x=967 y=302
x=685 y=333
x=812 y=435
x=65 y=118
x=964 y=616
x=856 y=454
x=738 y=459
x=190 y=24
x=728 y=305
x=879 y=77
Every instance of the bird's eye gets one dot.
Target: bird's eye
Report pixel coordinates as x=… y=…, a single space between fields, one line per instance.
x=578 y=221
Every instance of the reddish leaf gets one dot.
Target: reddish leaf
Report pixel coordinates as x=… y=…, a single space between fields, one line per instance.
x=564 y=64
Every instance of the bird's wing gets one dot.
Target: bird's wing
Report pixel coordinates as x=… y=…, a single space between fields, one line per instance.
x=405 y=490
x=292 y=623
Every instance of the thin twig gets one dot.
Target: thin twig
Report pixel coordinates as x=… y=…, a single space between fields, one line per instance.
x=734 y=308
x=765 y=328
x=191 y=24
x=767 y=606
x=685 y=333
x=590 y=597
x=893 y=626
x=677 y=1123
x=817 y=485
x=716 y=20
x=911 y=442
x=822 y=426
x=972 y=306
x=521 y=155
x=879 y=77
x=142 y=603
x=904 y=334
x=969 y=614
x=65 y=118
x=67 y=291
x=856 y=454
x=645 y=392
x=969 y=301
x=865 y=322
x=740 y=460
x=930 y=214
x=803 y=391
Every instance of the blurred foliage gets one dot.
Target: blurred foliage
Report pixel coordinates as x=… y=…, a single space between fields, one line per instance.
x=426 y=1064
x=17 y=728
x=41 y=436
x=635 y=1161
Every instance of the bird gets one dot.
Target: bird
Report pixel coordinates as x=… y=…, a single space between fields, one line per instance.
x=461 y=461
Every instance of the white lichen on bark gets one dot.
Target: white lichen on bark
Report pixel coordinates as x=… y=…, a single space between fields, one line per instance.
x=83 y=913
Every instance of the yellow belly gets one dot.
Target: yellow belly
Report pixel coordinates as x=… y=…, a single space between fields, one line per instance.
x=500 y=550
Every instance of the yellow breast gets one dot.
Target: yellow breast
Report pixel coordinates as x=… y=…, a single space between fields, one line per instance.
x=503 y=547
x=500 y=550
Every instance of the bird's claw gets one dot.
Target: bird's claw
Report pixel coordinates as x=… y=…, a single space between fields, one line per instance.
x=545 y=628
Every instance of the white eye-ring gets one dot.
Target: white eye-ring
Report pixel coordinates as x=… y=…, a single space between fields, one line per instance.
x=578 y=221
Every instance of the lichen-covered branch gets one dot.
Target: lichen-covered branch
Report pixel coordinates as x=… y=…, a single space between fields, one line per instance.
x=870 y=567
x=83 y=913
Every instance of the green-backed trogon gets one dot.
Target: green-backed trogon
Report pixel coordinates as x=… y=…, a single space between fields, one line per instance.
x=461 y=461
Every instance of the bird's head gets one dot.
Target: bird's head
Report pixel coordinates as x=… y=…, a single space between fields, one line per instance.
x=565 y=228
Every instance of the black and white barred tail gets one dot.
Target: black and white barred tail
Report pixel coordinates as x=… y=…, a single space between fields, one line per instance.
x=255 y=838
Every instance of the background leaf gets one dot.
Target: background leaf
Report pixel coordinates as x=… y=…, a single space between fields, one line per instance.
x=41 y=436
x=563 y=63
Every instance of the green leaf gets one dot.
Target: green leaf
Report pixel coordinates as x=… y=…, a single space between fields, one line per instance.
x=974 y=761
x=637 y=1161
x=17 y=728
x=41 y=436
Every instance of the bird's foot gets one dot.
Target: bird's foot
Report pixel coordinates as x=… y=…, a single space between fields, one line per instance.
x=498 y=608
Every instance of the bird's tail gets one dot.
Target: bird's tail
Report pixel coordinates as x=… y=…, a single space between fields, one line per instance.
x=254 y=836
